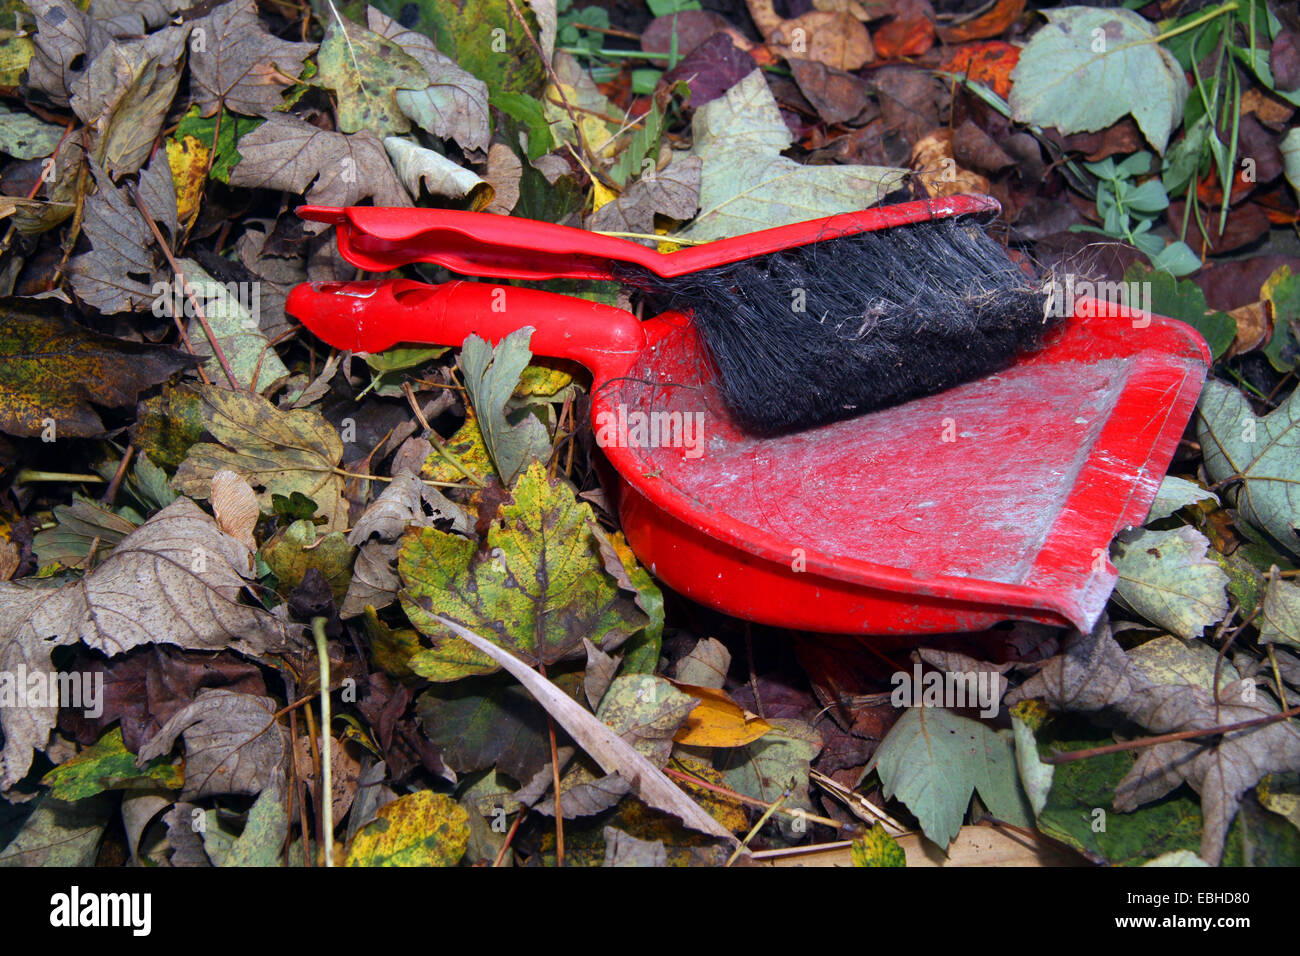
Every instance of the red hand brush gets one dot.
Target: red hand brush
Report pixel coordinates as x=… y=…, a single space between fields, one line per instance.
x=805 y=324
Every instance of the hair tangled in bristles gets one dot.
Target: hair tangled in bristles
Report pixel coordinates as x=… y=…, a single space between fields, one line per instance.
x=845 y=326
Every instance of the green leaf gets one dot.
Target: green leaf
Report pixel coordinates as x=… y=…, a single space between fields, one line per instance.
x=52 y=371
x=23 y=136
x=420 y=829
x=772 y=765
x=1175 y=494
x=1088 y=67
x=1176 y=258
x=528 y=111
x=933 y=760
x=78 y=526
x=365 y=70
x=1290 y=147
x=1264 y=453
x=483 y=37
x=1035 y=775
x=1186 y=302
x=746 y=184
x=263 y=837
x=233 y=127
x=60 y=833
x=293 y=551
x=490 y=376
x=1079 y=812
x=167 y=425
x=108 y=765
x=1282 y=294
x=537 y=588
x=227 y=306
x=1280 y=621
x=1167 y=578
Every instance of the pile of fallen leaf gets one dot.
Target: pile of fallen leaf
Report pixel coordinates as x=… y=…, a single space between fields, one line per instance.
x=199 y=498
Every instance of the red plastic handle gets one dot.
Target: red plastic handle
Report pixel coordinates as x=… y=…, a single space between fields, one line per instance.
x=379 y=239
x=376 y=315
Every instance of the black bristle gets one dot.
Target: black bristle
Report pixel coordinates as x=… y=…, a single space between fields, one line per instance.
x=849 y=325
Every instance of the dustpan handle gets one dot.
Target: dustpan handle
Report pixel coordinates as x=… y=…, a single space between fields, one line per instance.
x=376 y=315
x=379 y=239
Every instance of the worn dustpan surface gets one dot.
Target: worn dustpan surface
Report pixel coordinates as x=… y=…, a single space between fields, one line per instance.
x=996 y=499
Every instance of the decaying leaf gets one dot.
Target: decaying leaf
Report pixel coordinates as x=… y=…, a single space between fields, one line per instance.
x=610 y=751
x=746 y=184
x=59 y=833
x=1263 y=451
x=673 y=192
x=278 y=451
x=539 y=590
x=1166 y=577
x=364 y=70
x=420 y=829
x=454 y=105
x=239 y=66
x=124 y=96
x=52 y=371
x=1168 y=693
x=233 y=744
x=1280 y=619
x=441 y=176
x=118 y=273
x=330 y=168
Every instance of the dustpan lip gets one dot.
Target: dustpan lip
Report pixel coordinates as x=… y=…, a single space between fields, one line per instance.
x=1169 y=354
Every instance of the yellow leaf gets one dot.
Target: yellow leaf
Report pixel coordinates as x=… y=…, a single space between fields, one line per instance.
x=188 y=160
x=601 y=195
x=420 y=829
x=718 y=721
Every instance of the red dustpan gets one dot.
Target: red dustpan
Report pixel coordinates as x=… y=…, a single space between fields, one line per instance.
x=995 y=500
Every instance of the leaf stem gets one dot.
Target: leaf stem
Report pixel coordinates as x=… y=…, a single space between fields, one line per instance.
x=28 y=475
x=758 y=825
x=1226 y=8
x=327 y=782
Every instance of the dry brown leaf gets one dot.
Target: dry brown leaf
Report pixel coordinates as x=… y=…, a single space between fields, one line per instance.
x=992 y=23
x=503 y=173
x=9 y=559
x=601 y=742
x=235 y=505
x=932 y=158
x=1252 y=327
x=345 y=772
x=835 y=37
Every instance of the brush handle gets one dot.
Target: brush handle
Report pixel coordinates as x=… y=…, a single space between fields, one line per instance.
x=380 y=239
x=376 y=315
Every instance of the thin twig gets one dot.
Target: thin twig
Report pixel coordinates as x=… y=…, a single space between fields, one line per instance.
x=189 y=291
x=1138 y=744
x=111 y=492
x=555 y=782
